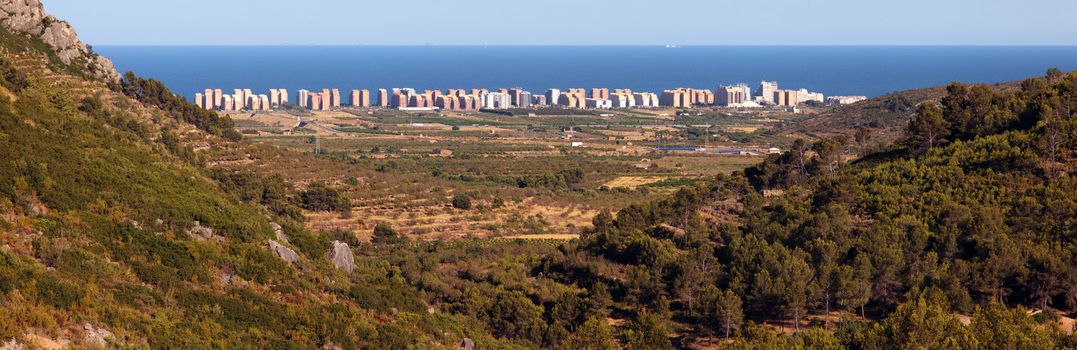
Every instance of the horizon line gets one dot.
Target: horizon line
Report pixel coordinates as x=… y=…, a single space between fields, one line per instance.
x=672 y=46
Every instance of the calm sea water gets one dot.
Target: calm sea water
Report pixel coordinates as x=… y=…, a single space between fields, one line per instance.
x=841 y=70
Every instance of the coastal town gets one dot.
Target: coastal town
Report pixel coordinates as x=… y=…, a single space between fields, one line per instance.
x=767 y=95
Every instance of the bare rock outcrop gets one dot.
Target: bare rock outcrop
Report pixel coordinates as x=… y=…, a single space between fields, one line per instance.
x=341 y=256
x=28 y=17
x=203 y=233
x=95 y=336
x=278 y=231
x=12 y=345
x=285 y=253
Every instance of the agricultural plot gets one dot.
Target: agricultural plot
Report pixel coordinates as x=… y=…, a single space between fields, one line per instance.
x=526 y=173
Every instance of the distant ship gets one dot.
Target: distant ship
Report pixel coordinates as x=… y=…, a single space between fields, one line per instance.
x=673 y=46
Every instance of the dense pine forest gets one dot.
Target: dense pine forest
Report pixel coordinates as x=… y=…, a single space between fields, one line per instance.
x=115 y=232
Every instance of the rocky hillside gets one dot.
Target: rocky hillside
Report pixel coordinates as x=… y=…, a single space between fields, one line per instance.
x=28 y=17
x=115 y=234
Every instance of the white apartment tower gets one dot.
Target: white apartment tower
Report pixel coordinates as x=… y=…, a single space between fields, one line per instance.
x=553 y=96
x=767 y=90
x=302 y=96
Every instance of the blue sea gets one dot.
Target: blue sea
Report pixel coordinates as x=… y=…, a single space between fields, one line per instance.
x=832 y=70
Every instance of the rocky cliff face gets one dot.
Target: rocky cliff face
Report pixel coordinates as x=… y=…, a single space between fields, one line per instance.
x=29 y=17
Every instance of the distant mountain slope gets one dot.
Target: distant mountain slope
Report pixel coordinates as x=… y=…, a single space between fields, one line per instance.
x=884 y=116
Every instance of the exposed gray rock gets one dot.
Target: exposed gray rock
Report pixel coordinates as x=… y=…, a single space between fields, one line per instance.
x=467 y=344
x=95 y=336
x=341 y=256
x=28 y=17
x=285 y=253
x=278 y=231
x=203 y=233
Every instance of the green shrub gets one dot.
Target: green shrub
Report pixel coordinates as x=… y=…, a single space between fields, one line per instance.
x=57 y=293
x=383 y=233
x=462 y=202
x=136 y=295
x=320 y=197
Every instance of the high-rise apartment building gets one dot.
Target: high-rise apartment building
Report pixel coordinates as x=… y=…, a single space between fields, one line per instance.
x=334 y=98
x=239 y=98
x=573 y=98
x=218 y=98
x=303 y=96
x=399 y=100
x=360 y=98
x=646 y=99
x=227 y=104
x=621 y=99
x=803 y=95
x=524 y=100
x=600 y=93
x=469 y=103
x=264 y=102
x=732 y=95
x=447 y=103
x=200 y=100
x=498 y=100
x=207 y=96
x=844 y=100
x=383 y=98
x=514 y=94
x=315 y=102
x=674 y=98
x=553 y=96
x=767 y=90
x=598 y=103
x=786 y=98
x=703 y=97
x=327 y=99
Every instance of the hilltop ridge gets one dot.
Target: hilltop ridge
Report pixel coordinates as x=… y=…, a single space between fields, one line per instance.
x=28 y=17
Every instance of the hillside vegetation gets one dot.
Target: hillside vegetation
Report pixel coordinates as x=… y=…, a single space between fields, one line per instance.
x=117 y=232
x=876 y=122
x=111 y=225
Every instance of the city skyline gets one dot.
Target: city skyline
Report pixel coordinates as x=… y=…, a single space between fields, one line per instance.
x=736 y=96
x=631 y=22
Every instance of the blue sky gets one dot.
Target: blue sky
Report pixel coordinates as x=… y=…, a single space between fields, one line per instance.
x=571 y=22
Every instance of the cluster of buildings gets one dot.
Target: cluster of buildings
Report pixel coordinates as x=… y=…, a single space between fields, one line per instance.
x=844 y=100
x=241 y=99
x=738 y=96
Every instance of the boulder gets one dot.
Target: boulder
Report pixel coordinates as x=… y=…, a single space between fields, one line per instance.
x=278 y=231
x=285 y=253
x=467 y=344
x=94 y=336
x=203 y=233
x=341 y=256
